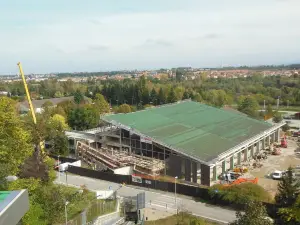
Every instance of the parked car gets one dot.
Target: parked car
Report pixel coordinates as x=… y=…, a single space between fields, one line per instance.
x=296 y=133
x=277 y=174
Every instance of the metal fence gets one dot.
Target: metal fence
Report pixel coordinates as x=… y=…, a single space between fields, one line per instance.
x=192 y=191
x=95 y=210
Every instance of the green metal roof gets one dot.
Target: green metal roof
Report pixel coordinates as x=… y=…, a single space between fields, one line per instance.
x=3 y=195
x=194 y=128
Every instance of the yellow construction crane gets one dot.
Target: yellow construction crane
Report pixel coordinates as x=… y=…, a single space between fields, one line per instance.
x=29 y=101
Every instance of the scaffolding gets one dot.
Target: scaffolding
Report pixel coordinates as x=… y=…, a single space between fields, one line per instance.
x=114 y=159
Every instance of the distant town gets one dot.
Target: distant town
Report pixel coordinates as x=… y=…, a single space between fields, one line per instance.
x=189 y=73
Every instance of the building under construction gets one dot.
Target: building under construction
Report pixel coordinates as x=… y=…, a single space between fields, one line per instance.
x=190 y=140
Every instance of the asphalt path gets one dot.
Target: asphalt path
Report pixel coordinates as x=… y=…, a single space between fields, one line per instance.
x=154 y=199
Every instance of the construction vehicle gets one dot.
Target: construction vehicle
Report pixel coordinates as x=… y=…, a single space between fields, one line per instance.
x=283 y=142
x=34 y=166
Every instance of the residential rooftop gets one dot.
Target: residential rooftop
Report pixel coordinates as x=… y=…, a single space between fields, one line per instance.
x=193 y=128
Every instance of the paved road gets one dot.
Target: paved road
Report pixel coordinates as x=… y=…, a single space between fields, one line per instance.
x=156 y=200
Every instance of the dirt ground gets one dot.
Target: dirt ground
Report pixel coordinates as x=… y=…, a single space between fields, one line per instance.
x=276 y=162
x=153 y=214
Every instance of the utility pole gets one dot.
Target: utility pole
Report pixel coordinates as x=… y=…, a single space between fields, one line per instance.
x=264 y=104
x=278 y=102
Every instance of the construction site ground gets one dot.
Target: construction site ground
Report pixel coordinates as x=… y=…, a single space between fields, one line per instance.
x=275 y=162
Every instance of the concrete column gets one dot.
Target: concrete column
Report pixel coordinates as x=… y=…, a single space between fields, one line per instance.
x=278 y=135
x=224 y=166
x=274 y=137
x=165 y=169
x=245 y=154
x=214 y=178
x=188 y=170
x=257 y=146
x=205 y=175
x=252 y=151
x=194 y=172
x=268 y=141
x=239 y=158
x=231 y=162
x=264 y=143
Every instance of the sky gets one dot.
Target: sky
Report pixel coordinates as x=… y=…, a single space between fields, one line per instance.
x=100 y=35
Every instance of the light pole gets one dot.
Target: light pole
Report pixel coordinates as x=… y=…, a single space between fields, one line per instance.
x=66 y=213
x=176 y=196
x=67 y=202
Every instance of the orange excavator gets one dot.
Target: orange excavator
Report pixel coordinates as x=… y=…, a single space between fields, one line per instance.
x=242 y=180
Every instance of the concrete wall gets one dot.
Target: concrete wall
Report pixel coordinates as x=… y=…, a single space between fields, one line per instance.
x=127 y=170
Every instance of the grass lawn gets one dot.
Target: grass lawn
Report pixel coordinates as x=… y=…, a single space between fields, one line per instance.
x=180 y=219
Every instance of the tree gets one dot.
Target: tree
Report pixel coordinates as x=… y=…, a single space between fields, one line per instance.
x=269 y=110
x=153 y=97
x=291 y=215
x=179 y=75
x=125 y=108
x=161 y=97
x=249 y=106
x=185 y=95
x=58 y=123
x=101 y=104
x=15 y=141
x=287 y=188
x=277 y=118
x=285 y=127
x=255 y=214
x=47 y=104
x=78 y=97
x=172 y=96
x=67 y=106
x=60 y=145
x=55 y=135
x=58 y=94
x=83 y=118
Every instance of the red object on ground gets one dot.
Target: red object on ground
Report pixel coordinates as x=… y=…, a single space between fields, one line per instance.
x=283 y=142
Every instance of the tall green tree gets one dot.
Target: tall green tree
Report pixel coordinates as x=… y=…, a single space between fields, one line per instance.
x=101 y=104
x=172 y=96
x=161 y=97
x=249 y=106
x=185 y=95
x=290 y=215
x=55 y=135
x=83 y=118
x=277 y=118
x=153 y=97
x=287 y=189
x=269 y=110
x=255 y=214
x=78 y=97
x=15 y=140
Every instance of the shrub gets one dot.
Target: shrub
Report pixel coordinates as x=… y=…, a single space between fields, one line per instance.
x=285 y=128
x=239 y=194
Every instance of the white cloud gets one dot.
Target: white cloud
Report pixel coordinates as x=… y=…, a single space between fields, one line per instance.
x=204 y=34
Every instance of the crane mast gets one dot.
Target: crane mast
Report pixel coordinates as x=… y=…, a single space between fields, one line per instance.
x=27 y=93
x=29 y=100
